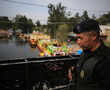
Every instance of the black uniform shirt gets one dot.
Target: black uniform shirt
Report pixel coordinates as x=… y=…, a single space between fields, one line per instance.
x=102 y=68
x=93 y=69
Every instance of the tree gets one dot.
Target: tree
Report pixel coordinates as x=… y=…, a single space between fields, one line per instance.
x=57 y=16
x=93 y=17
x=5 y=23
x=23 y=23
x=30 y=25
x=62 y=33
x=38 y=25
x=104 y=19
x=85 y=16
x=71 y=22
x=77 y=18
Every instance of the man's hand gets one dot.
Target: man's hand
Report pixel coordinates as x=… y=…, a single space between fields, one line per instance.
x=70 y=73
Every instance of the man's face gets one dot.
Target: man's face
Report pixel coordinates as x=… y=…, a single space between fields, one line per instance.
x=84 y=40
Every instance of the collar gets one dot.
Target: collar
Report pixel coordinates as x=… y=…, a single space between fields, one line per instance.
x=97 y=51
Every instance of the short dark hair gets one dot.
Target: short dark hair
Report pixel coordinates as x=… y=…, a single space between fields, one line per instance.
x=86 y=26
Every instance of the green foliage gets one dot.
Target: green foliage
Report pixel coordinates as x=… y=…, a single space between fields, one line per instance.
x=57 y=16
x=21 y=22
x=104 y=19
x=107 y=43
x=93 y=17
x=62 y=33
x=5 y=23
x=85 y=16
x=38 y=23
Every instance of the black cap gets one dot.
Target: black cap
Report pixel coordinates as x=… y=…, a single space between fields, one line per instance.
x=86 y=26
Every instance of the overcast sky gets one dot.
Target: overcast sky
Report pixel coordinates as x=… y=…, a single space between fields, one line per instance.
x=38 y=9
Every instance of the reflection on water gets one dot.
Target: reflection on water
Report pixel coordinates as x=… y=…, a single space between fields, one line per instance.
x=16 y=48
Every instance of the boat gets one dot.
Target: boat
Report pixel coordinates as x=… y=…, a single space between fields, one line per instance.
x=33 y=43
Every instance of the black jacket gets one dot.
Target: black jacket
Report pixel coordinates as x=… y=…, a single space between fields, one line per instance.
x=93 y=70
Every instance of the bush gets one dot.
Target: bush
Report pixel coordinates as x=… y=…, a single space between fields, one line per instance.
x=107 y=43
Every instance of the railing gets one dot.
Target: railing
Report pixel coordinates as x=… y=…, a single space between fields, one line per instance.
x=36 y=73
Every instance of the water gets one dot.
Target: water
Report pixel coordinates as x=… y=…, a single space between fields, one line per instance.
x=14 y=48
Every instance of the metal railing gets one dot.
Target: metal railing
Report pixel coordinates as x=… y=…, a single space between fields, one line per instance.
x=46 y=73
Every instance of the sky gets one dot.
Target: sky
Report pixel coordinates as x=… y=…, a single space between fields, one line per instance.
x=38 y=9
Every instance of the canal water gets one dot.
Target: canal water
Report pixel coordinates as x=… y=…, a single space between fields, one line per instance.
x=15 y=48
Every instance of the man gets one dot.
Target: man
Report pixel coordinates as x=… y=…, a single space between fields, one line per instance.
x=92 y=70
